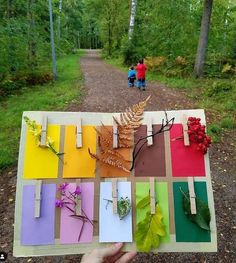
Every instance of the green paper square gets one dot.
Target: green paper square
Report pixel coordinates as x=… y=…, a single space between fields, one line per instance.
x=161 y=190
x=187 y=231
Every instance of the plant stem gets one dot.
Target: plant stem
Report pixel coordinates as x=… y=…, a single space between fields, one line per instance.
x=183 y=193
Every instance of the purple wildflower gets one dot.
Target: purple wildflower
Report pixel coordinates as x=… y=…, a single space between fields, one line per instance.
x=59 y=203
x=62 y=187
x=77 y=190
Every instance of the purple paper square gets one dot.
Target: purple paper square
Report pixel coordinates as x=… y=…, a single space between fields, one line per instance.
x=38 y=231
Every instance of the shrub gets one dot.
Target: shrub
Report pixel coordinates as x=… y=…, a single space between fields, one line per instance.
x=20 y=80
x=219 y=88
x=153 y=63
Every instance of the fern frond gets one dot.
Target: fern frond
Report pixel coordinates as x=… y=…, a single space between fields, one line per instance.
x=127 y=124
x=114 y=162
x=93 y=155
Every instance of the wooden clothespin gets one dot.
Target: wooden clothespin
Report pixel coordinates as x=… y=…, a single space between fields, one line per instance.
x=43 y=139
x=149 y=132
x=37 y=198
x=152 y=195
x=78 y=208
x=115 y=134
x=114 y=195
x=192 y=195
x=79 y=134
x=185 y=130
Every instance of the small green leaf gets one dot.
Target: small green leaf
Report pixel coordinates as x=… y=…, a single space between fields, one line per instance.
x=203 y=217
x=144 y=202
x=123 y=207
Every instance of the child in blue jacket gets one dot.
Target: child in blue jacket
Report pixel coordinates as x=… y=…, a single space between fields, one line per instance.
x=131 y=76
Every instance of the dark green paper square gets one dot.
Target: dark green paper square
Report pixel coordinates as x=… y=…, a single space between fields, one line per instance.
x=187 y=231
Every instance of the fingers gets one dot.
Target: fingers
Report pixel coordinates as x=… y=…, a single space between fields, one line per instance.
x=126 y=257
x=114 y=258
x=108 y=251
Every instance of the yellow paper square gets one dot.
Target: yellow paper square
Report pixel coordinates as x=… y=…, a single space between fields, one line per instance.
x=77 y=162
x=41 y=162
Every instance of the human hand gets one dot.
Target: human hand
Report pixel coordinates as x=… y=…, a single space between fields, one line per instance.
x=111 y=254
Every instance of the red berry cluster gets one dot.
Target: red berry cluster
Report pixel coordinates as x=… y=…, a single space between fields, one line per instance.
x=197 y=134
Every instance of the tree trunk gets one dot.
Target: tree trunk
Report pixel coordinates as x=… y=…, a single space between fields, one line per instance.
x=12 y=64
x=109 y=35
x=59 y=24
x=54 y=68
x=31 y=37
x=9 y=9
x=203 y=39
x=132 y=17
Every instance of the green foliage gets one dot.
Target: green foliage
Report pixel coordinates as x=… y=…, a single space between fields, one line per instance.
x=143 y=202
x=219 y=89
x=230 y=105
x=202 y=218
x=214 y=131
x=214 y=128
x=52 y=96
x=149 y=230
x=171 y=29
x=25 y=39
x=228 y=123
x=23 y=79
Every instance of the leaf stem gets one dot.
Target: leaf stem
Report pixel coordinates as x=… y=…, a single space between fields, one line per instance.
x=183 y=193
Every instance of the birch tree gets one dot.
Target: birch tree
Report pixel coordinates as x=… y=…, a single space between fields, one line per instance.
x=132 y=17
x=54 y=68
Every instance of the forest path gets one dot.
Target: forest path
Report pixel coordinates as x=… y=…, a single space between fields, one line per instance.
x=106 y=90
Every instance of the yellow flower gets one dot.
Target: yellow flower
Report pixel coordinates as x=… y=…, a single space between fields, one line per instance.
x=50 y=141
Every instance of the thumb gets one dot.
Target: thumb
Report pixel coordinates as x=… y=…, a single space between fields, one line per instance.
x=109 y=251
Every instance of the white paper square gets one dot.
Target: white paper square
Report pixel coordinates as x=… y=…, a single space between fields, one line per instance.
x=111 y=228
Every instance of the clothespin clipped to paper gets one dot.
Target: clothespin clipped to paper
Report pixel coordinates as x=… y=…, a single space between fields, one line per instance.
x=192 y=196
x=79 y=134
x=185 y=130
x=43 y=139
x=115 y=134
x=114 y=195
x=152 y=195
x=37 y=198
x=149 y=132
x=78 y=208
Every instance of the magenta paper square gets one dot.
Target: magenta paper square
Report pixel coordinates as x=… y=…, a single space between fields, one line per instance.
x=70 y=227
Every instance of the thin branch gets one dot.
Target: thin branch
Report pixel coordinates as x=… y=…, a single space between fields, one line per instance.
x=164 y=127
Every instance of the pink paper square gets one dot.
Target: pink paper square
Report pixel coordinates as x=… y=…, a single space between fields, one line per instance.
x=70 y=227
x=186 y=160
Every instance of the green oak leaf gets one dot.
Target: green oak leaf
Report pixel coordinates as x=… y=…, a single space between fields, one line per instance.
x=144 y=202
x=149 y=231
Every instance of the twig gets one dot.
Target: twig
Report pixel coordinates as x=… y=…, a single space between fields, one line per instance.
x=164 y=127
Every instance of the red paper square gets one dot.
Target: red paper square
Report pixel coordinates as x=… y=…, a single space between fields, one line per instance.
x=186 y=160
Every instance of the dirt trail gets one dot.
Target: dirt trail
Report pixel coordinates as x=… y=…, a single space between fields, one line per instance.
x=106 y=90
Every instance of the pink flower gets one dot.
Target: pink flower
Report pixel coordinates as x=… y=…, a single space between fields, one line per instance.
x=62 y=187
x=77 y=190
x=59 y=203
